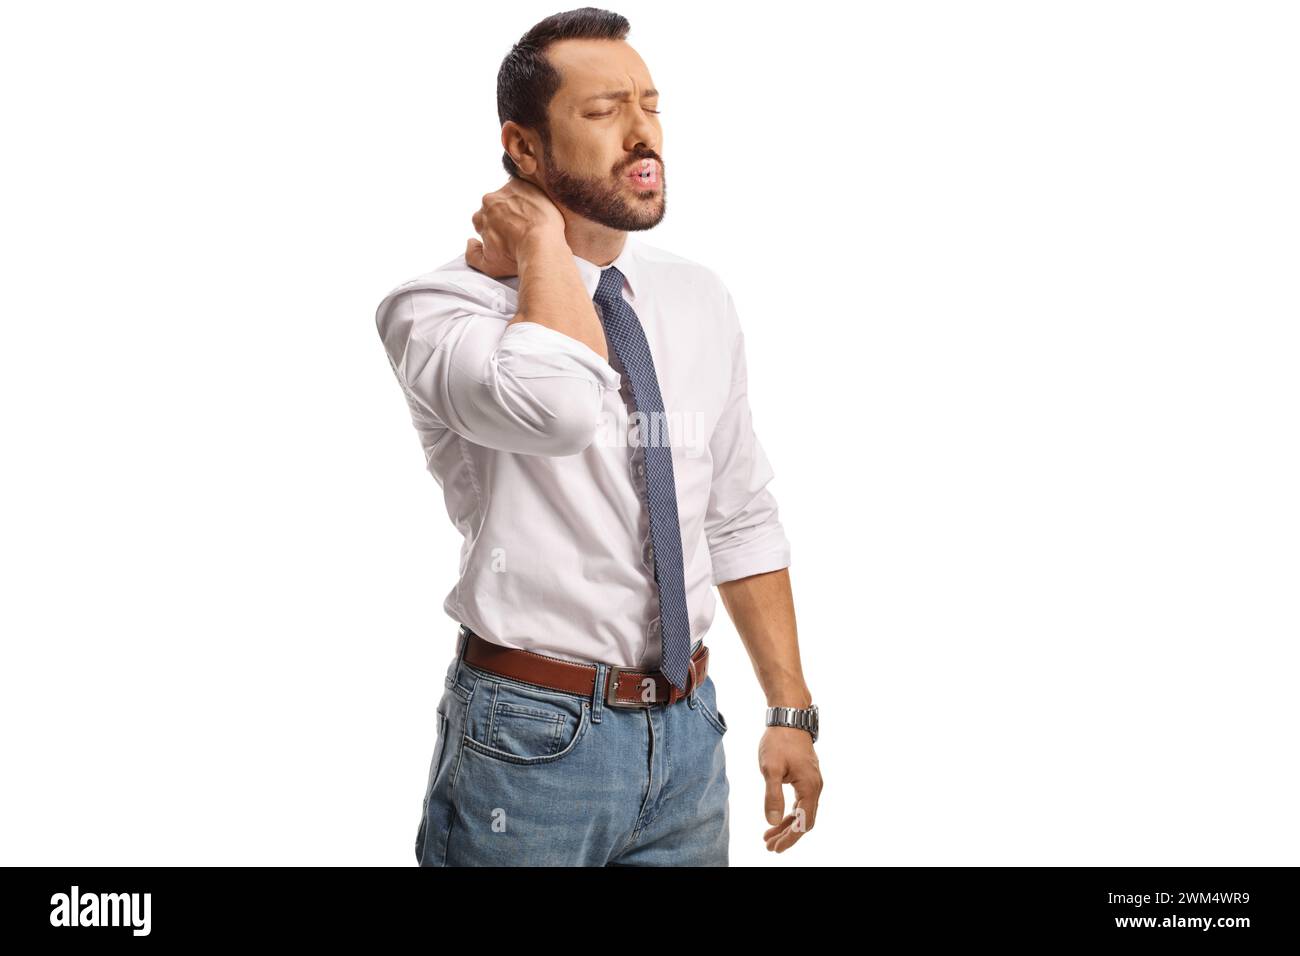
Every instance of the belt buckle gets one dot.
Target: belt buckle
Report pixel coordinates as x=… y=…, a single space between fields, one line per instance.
x=611 y=684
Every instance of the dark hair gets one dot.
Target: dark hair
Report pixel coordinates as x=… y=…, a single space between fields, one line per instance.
x=527 y=82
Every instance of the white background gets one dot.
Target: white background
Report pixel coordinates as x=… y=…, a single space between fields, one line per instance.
x=1019 y=288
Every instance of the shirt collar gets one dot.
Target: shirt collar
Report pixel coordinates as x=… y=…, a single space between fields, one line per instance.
x=627 y=263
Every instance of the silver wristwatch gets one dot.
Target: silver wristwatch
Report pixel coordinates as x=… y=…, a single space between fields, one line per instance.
x=805 y=718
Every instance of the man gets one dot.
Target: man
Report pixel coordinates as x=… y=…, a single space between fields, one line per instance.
x=581 y=399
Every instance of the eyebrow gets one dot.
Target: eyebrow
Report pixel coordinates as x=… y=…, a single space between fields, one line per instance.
x=619 y=95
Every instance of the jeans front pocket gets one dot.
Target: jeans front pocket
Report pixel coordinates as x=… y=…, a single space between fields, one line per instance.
x=519 y=723
x=706 y=699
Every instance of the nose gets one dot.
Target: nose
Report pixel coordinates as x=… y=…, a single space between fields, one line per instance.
x=642 y=137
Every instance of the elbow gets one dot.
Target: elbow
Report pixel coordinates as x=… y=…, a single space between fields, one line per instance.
x=493 y=391
x=570 y=423
x=552 y=417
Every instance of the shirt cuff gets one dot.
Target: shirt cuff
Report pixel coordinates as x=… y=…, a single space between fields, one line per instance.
x=770 y=553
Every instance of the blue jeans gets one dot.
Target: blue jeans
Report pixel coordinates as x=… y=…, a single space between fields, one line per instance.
x=523 y=776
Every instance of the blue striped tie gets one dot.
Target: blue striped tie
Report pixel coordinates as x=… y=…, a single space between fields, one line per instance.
x=624 y=332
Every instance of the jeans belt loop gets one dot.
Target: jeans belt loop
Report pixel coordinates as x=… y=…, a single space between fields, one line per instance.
x=598 y=692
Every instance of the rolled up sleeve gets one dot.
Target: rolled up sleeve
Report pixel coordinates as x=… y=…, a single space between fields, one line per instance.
x=517 y=387
x=743 y=526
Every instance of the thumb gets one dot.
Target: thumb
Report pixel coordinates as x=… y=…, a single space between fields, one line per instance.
x=774 y=800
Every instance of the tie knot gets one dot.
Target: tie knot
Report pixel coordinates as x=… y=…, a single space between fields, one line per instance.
x=611 y=286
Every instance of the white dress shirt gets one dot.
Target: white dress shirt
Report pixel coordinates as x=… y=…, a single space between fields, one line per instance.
x=530 y=434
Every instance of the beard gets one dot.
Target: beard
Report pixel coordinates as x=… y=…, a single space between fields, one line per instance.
x=607 y=201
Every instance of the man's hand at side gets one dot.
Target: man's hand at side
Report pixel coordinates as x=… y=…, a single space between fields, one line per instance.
x=786 y=755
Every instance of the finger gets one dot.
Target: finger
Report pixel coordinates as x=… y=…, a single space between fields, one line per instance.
x=474 y=254
x=779 y=836
x=778 y=828
x=785 y=840
x=800 y=823
x=790 y=830
x=773 y=798
x=806 y=794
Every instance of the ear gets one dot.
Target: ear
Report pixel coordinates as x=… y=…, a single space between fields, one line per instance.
x=515 y=141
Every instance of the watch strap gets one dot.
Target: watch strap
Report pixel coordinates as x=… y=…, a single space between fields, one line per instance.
x=802 y=718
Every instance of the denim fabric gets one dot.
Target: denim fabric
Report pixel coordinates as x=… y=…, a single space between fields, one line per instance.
x=523 y=776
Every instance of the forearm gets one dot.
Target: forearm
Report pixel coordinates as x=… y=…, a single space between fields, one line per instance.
x=762 y=608
x=551 y=291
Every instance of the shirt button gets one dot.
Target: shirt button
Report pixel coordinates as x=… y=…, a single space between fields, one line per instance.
x=648 y=554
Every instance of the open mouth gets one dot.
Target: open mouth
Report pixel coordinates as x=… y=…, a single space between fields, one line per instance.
x=645 y=175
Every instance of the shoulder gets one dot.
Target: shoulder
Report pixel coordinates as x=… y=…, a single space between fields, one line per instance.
x=679 y=267
x=702 y=282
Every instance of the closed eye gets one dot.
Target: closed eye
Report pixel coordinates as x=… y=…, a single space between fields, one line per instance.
x=608 y=112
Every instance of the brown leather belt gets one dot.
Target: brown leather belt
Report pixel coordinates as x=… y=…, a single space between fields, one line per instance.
x=624 y=686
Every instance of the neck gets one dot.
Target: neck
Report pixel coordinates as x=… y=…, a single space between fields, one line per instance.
x=592 y=241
